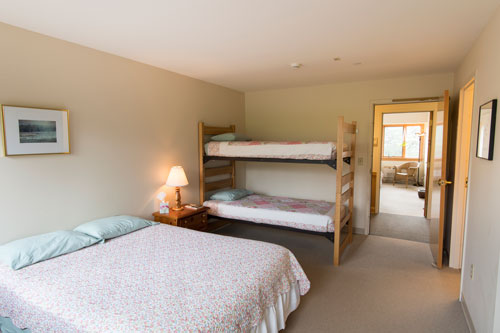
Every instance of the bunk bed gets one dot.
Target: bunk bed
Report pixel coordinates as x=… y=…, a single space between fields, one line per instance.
x=330 y=219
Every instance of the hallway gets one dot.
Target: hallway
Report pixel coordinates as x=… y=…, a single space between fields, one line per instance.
x=411 y=228
x=401 y=214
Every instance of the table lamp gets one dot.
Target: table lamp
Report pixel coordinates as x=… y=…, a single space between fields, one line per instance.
x=177 y=178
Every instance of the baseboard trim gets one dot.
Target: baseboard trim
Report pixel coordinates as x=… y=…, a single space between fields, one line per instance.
x=468 y=318
x=359 y=231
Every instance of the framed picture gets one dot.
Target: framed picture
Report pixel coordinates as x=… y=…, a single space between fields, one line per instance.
x=34 y=131
x=486 y=130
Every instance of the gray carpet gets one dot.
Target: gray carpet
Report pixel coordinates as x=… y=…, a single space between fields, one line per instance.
x=400 y=226
x=383 y=285
x=397 y=199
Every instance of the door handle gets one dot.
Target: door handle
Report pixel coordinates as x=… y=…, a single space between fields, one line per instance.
x=442 y=182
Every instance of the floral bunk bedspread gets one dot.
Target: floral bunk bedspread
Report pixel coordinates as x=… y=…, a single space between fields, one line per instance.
x=312 y=215
x=158 y=279
x=298 y=150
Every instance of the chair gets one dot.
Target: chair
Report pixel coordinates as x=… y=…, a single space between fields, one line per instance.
x=406 y=170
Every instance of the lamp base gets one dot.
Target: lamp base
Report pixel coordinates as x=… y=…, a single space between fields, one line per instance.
x=178 y=205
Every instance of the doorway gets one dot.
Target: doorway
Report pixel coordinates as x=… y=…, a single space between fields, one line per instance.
x=403 y=160
x=461 y=179
x=435 y=174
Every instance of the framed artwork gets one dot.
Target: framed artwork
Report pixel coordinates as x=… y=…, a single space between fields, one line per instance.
x=34 y=131
x=486 y=130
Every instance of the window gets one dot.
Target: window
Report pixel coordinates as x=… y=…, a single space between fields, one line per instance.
x=403 y=142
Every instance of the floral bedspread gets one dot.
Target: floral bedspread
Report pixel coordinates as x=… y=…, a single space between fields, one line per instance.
x=313 y=215
x=273 y=149
x=160 y=278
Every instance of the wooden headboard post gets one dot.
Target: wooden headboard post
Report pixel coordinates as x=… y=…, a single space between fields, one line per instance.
x=201 y=152
x=230 y=170
x=233 y=164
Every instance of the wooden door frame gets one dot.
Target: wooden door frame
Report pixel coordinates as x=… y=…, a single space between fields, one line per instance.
x=462 y=162
x=378 y=111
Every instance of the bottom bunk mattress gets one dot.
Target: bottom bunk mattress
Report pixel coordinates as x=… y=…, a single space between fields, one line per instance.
x=158 y=279
x=312 y=215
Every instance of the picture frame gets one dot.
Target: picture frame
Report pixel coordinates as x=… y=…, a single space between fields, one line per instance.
x=34 y=131
x=486 y=130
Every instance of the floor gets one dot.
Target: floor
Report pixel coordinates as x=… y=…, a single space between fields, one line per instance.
x=400 y=214
x=411 y=228
x=399 y=200
x=383 y=285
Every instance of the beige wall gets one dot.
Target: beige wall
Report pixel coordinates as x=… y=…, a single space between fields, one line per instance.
x=482 y=242
x=310 y=113
x=129 y=124
x=406 y=118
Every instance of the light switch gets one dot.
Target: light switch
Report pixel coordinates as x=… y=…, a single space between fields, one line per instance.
x=360 y=161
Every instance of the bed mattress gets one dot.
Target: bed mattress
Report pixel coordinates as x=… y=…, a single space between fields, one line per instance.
x=158 y=279
x=312 y=215
x=271 y=149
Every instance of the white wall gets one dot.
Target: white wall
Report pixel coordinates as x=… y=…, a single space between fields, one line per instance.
x=482 y=247
x=310 y=113
x=129 y=124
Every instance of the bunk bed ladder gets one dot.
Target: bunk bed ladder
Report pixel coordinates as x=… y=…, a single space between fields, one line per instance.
x=348 y=195
x=229 y=170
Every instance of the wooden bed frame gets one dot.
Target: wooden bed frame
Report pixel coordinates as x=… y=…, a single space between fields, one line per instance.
x=341 y=196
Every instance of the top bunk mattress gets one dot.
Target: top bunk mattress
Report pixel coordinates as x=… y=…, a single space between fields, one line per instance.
x=312 y=215
x=297 y=150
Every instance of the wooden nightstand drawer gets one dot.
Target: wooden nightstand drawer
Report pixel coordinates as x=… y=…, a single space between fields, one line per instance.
x=186 y=218
x=197 y=222
x=164 y=219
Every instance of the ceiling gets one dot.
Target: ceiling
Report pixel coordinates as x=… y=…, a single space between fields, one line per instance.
x=248 y=45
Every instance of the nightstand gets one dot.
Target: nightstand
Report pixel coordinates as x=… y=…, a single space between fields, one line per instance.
x=195 y=219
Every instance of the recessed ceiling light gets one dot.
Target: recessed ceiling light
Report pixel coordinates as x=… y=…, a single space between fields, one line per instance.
x=295 y=65
x=337 y=59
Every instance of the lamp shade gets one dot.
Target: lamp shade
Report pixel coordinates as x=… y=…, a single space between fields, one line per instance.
x=177 y=177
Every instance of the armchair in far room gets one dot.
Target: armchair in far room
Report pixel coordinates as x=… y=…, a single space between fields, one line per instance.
x=406 y=170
